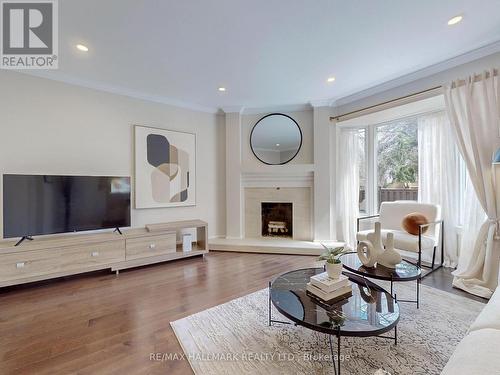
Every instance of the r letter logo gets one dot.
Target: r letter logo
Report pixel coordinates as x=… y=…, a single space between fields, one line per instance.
x=29 y=37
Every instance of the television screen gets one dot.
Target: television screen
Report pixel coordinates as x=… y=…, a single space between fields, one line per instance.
x=37 y=204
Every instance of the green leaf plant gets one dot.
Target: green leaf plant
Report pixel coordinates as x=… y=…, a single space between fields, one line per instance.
x=332 y=255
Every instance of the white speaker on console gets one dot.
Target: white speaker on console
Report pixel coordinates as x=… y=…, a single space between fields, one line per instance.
x=187 y=242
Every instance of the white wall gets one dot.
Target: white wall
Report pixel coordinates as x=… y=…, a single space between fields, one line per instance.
x=55 y=128
x=306 y=153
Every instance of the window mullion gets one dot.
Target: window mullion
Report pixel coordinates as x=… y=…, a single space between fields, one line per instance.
x=371 y=153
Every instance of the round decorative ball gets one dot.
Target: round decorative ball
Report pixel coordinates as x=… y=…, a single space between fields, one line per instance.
x=411 y=222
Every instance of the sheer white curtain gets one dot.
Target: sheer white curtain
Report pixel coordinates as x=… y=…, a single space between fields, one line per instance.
x=438 y=173
x=473 y=107
x=348 y=184
x=472 y=219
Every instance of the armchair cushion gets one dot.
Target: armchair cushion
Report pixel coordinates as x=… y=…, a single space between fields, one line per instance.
x=402 y=240
x=392 y=213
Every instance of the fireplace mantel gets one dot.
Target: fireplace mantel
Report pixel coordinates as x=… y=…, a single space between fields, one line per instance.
x=272 y=180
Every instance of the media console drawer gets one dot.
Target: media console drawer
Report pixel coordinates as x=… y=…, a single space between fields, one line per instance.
x=149 y=246
x=55 y=260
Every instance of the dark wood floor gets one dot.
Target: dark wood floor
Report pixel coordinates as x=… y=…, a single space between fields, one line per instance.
x=103 y=324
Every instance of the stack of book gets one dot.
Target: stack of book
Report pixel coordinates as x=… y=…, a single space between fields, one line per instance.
x=329 y=290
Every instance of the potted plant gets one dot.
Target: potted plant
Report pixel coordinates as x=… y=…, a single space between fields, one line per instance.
x=333 y=263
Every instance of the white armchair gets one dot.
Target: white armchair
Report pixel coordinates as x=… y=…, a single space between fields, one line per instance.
x=421 y=248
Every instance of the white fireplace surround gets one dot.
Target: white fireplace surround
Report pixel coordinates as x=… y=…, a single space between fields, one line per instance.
x=310 y=177
x=311 y=169
x=301 y=199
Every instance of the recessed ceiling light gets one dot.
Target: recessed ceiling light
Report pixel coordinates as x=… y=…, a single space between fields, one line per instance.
x=277 y=145
x=221 y=89
x=82 y=47
x=330 y=79
x=455 y=20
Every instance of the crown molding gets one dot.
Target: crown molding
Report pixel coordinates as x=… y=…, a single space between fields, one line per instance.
x=111 y=89
x=321 y=103
x=467 y=57
x=278 y=108
x=233 y=109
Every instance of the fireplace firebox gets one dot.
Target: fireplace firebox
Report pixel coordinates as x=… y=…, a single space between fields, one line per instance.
x=277 y=219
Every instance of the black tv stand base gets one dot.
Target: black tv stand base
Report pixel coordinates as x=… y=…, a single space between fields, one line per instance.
x=29 y=238
x=118 y=230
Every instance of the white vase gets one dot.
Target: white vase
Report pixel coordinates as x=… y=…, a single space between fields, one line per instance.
x=390 y=257
x=333 y=270
x=375 y=238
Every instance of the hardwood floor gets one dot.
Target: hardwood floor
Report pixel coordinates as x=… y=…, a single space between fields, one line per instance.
x=103 y=324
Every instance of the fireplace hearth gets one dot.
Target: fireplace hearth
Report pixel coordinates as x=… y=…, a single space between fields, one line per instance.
x=277 y=219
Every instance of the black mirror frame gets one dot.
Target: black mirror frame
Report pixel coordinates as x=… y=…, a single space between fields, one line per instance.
x=298 y=149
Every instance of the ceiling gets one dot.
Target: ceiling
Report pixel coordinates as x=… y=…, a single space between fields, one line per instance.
x=265 y=52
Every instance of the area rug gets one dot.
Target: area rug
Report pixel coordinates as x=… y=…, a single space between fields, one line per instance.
x=234 y=338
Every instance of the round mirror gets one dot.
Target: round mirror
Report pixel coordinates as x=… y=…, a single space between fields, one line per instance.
x=276 y=139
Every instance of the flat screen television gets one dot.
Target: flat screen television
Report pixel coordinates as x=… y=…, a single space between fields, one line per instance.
x=38 y=204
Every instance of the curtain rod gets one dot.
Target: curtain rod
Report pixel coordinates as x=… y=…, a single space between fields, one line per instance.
x=477 y=77
x=402 y=98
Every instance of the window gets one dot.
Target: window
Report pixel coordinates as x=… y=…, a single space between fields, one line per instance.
x=397 y=161
x=388 y=163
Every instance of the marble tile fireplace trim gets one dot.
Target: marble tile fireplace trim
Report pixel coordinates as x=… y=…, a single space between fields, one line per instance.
x=300 y=197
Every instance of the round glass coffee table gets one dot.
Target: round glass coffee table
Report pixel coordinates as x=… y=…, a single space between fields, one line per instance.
x=369 y=311
x=404 y=271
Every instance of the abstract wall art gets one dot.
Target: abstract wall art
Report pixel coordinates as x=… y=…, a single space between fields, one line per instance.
x=165 y=168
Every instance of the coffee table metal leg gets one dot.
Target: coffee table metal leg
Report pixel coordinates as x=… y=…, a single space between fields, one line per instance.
x=333 y=355
x=417 y=301
x=418 y=293
x=335 y=363
x=338 y=354
x=269 y=305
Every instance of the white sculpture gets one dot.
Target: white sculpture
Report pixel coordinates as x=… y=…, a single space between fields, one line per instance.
x=366 y=254
x=375 y=237
x=371 y=251
x=390 y=257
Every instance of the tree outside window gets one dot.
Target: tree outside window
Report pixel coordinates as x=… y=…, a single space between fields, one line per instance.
x=397 y=160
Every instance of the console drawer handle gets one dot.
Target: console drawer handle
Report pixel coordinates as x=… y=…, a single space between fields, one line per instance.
x=20 y=264
x=94 y=254
x=152 y=245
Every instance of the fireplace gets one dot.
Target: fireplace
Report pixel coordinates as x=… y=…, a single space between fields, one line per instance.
x=277 y=219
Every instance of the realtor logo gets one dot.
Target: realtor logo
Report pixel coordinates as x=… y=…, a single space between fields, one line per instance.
x=28 y=34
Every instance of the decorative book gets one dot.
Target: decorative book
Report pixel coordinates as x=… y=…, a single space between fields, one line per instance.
x=328 y=285
x=331 y=296
x=335 y=303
